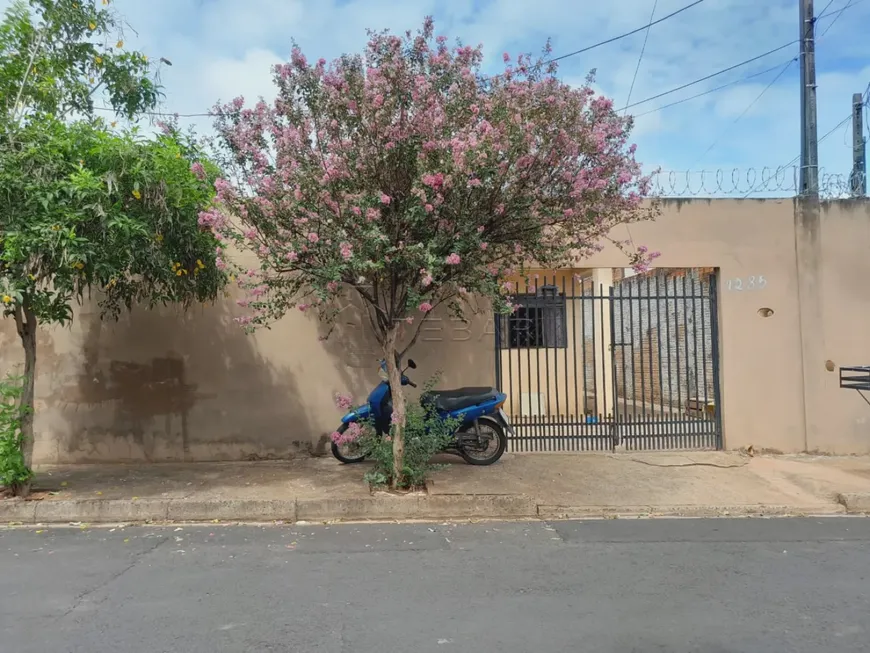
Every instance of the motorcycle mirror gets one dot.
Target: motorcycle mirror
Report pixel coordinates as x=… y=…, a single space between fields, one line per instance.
x=412 y=364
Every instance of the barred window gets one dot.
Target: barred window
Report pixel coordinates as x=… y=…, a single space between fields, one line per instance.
x=538 y=322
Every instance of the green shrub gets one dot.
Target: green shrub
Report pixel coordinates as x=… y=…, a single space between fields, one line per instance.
x=14 y=474
x=426 y=435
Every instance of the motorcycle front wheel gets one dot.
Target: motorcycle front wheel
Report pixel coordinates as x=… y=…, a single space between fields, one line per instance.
x=349 y=452
x=484 y=446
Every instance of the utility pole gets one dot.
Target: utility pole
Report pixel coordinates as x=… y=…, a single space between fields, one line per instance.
x=809 y=176
x=859 y=160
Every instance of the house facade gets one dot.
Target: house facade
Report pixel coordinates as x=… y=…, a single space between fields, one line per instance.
x=736 y=340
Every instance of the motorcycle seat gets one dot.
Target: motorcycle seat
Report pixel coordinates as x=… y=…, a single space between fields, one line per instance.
x=452 y=400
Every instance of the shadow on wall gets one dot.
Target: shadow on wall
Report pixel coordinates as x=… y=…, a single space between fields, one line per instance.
x=464 y=353
x=164 y=385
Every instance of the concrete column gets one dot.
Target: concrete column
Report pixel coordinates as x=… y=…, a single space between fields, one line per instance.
x=602 y=280
x=808 y=247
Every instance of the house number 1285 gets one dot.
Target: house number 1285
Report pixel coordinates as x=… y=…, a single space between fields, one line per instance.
x=746 y=283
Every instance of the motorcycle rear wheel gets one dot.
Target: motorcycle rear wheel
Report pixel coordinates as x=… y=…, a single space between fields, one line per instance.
x=496 y=443
x=348 y=453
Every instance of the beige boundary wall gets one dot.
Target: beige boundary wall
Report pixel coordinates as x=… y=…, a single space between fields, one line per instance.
x=161 y=385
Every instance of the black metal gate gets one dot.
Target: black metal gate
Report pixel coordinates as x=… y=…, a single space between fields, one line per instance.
x=634 y=365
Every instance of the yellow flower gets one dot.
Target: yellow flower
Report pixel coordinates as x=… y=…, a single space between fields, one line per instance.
x=178 y=155
x=119 y=44
x=137 y=194
x=144 y=58
x=200 y=264
x=98 y=60
x=92 y=26
x=105 y=2
x=7 y=299
x=159 y=238
x=79 y=266
x=32 y=277
x=91 y=80
x=114 y=123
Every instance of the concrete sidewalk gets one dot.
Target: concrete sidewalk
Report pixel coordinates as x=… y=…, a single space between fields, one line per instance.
x=520 y=486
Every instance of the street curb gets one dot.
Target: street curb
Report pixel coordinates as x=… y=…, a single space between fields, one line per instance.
x=102 y=511
x=378 y=507
x=588 y=512
x=385 y=506
x=855 y=503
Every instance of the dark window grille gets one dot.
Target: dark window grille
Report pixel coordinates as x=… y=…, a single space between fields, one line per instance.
x=539 y=321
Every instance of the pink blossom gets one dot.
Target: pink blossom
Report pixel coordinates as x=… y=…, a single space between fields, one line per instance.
x=332 y=286
x=505 y=57
x=425 y=307
x=346 y=250
x=313 y=238
x=453 y=259
x=372 y=214
x=484 y=246
x=303 y=307
x=291 y=256
x=244 y=303
x=343 y=402
x=385 y=199
x=409 y=320
x=198 y=170
x=429 y=208
x=356 y=210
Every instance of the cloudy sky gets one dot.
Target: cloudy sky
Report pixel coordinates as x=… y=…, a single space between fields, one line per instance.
x=224 y=48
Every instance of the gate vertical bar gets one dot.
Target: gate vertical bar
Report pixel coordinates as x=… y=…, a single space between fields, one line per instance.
x=496 y=323
x=705 y=298
x=714 y=344
x=615 y=425
x=685 y=418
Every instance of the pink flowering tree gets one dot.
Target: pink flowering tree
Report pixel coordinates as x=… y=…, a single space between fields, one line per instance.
x=406 y=176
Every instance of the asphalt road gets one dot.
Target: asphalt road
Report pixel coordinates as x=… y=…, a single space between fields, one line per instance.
x=707 y=586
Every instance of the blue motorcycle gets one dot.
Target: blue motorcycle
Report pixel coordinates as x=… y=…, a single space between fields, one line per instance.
x=481 y=438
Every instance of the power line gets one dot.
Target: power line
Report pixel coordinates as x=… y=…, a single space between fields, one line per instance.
x=837 y=12
x=717 y=88
x=745 y=111
x=840 y=13
x=837 y=126
x=642 y=50
x=622 y=36
x=712 y=75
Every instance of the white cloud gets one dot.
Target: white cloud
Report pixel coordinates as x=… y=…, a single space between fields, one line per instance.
x=224 y=48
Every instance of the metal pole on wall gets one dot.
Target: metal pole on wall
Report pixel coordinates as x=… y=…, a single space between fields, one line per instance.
x=809 y=175
x=859 y=160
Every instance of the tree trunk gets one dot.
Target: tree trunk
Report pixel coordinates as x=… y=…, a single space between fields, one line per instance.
x=26 y=324
x=394 y=374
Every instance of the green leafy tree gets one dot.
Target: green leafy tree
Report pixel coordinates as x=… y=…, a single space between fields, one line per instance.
x=58 y=56
x=82 y=207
